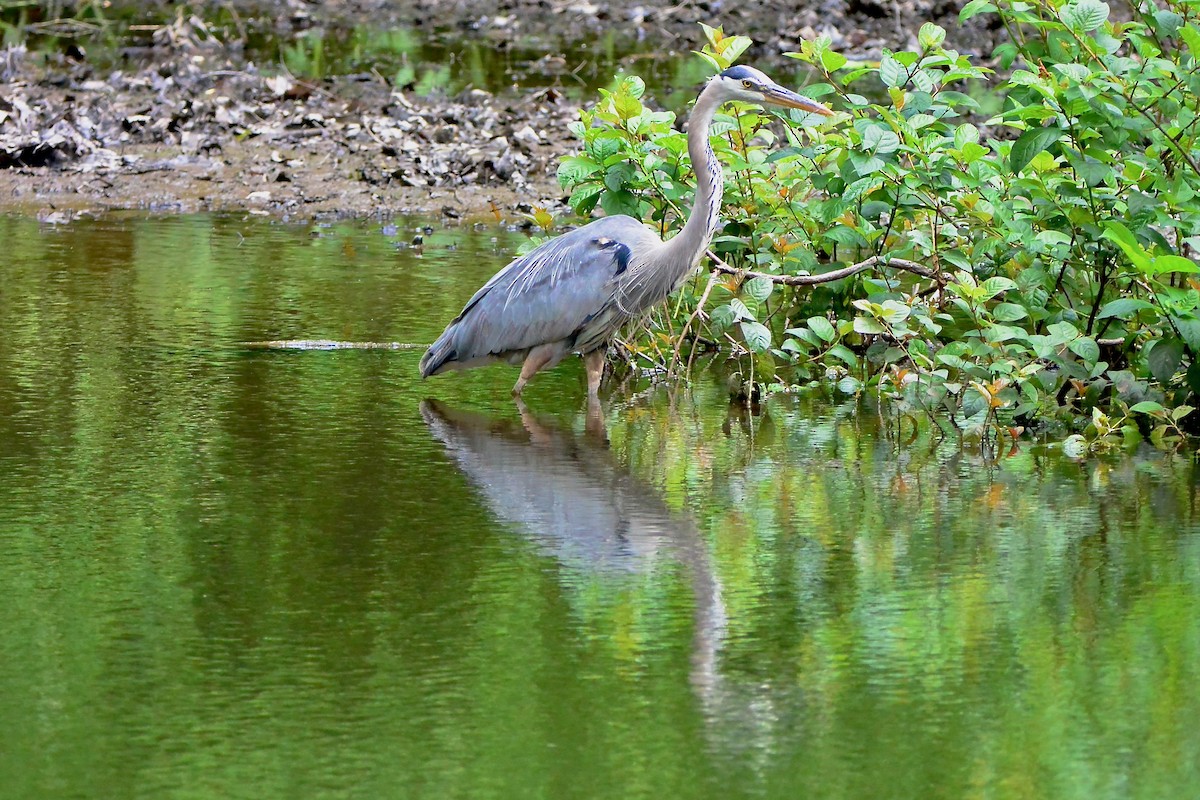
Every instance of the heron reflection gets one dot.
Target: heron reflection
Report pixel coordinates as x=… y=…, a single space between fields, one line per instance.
x=564 y=491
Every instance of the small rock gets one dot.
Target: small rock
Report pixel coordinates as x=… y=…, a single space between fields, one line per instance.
x=527 y=138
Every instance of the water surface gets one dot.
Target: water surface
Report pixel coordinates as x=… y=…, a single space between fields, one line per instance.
x=237 y=573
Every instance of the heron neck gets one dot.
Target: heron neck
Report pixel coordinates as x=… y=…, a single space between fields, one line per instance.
x=686 y=248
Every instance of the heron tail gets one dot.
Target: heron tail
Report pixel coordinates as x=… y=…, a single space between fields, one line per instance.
x=439 y=354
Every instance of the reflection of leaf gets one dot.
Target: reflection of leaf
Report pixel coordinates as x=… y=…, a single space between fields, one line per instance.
x=849 y=385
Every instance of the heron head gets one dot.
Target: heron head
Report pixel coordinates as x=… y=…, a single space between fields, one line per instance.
x=752 y=86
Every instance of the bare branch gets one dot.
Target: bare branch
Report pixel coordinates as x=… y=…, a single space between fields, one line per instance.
x=827 y=277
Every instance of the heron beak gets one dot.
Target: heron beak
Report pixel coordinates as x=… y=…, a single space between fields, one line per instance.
x=783 y=97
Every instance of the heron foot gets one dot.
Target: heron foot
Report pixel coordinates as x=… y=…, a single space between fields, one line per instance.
x=538 y=357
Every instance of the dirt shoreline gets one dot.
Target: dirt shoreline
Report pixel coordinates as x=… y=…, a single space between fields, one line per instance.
x=195 y=125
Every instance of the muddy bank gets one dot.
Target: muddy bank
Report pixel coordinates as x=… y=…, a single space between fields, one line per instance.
x=188 y=118
x=202 y=130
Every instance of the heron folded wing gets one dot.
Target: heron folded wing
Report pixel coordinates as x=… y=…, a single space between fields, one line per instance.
x=551 y=294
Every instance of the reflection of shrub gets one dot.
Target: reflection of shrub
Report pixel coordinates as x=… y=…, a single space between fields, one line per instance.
x=1059 y=230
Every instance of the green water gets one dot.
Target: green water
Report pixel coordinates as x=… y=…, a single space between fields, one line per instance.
x=235 y=573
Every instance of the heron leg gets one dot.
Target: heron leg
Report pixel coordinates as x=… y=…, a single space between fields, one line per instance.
x=594 y=362
x=538 y=357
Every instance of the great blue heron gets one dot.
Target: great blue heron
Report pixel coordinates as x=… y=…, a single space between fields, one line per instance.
x=573 y=293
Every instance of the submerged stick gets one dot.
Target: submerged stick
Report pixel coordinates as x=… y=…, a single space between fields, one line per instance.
x=328 y=344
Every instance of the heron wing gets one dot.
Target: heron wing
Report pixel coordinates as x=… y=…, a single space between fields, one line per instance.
x=551 y=294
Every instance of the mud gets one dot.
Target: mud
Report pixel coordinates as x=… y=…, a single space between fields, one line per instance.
x=183 y=114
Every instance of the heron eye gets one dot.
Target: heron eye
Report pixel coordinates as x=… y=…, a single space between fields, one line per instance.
x=748 y=84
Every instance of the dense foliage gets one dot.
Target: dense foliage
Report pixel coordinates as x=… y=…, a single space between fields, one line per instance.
x=1057 y=227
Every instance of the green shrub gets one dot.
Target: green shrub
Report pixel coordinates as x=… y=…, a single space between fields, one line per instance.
x=1057 y=228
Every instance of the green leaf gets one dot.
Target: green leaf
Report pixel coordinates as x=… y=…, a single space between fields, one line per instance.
x=1167 y=23
x=891 y=73
x=974 y=8
x=1004 y=333
x=633 y=86
x=620 y=202
x=604 y=146
x=832 y=61
x=626 y=105
x=930 y=35
x=1076 y=72
x=585 y=197
x=1086 y=348
x=1189 y=330
x=1124 y=308
x=1084 y=16
x=1146 y=407
x=866 y=165
x=1164 y=358
x=1169 y=263
x=965 y=134
x=879 y=140
x=1009 y=312
x=1191 y=35
x=756 y=335
x=723 y=316
x=732 y=47
x=823 y=328
x=574 y=169
x=1030 y=143
x=1062 y=332
x=1121 y=236
x=1193 y=377
x=619 y=176
x=845 y=354
x=868 y=325
x=997 y=284
x=758 y=288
